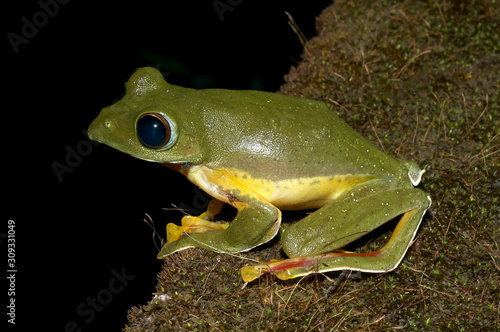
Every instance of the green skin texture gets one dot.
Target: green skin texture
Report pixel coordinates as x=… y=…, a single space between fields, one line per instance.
x=275 y=138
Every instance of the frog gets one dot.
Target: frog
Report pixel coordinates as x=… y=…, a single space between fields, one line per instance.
x=264 y=153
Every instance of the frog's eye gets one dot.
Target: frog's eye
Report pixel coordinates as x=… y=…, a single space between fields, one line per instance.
x=155 y=131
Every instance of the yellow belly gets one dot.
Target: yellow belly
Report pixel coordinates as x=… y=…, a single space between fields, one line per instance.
x=303 y=193
x=290 y=194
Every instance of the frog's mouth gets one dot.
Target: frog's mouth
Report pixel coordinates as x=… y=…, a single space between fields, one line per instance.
x=102 y=131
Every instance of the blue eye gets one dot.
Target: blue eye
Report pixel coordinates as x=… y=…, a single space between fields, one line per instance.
x=155 y=131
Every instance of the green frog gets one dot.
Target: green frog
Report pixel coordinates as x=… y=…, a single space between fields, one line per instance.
x=262 y=153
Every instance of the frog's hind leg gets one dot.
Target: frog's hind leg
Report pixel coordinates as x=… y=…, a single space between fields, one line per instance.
x=312 y=252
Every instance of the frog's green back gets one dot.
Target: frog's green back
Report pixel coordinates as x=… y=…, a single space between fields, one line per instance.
x=268 y=135
x=259 y=131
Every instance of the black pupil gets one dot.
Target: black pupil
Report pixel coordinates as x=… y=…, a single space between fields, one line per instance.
x=153 y=130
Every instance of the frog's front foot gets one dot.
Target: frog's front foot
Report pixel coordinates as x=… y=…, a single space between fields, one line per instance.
x=200 y=224
x=191 y=225
x=179 y=237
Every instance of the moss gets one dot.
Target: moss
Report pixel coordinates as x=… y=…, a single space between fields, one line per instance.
x=420 y=79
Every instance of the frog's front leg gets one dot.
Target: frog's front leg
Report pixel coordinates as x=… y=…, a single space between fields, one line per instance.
x=256 y=222
x=314 y=242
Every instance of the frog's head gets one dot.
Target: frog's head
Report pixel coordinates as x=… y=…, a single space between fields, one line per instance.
x=145 y=123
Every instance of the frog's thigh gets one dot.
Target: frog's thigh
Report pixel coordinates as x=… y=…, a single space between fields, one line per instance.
x=412 y=203
x=349 y=217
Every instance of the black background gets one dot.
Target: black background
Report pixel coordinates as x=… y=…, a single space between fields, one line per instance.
x=72 y=231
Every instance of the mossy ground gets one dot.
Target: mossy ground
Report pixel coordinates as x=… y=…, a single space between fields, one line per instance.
x=420 y=79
